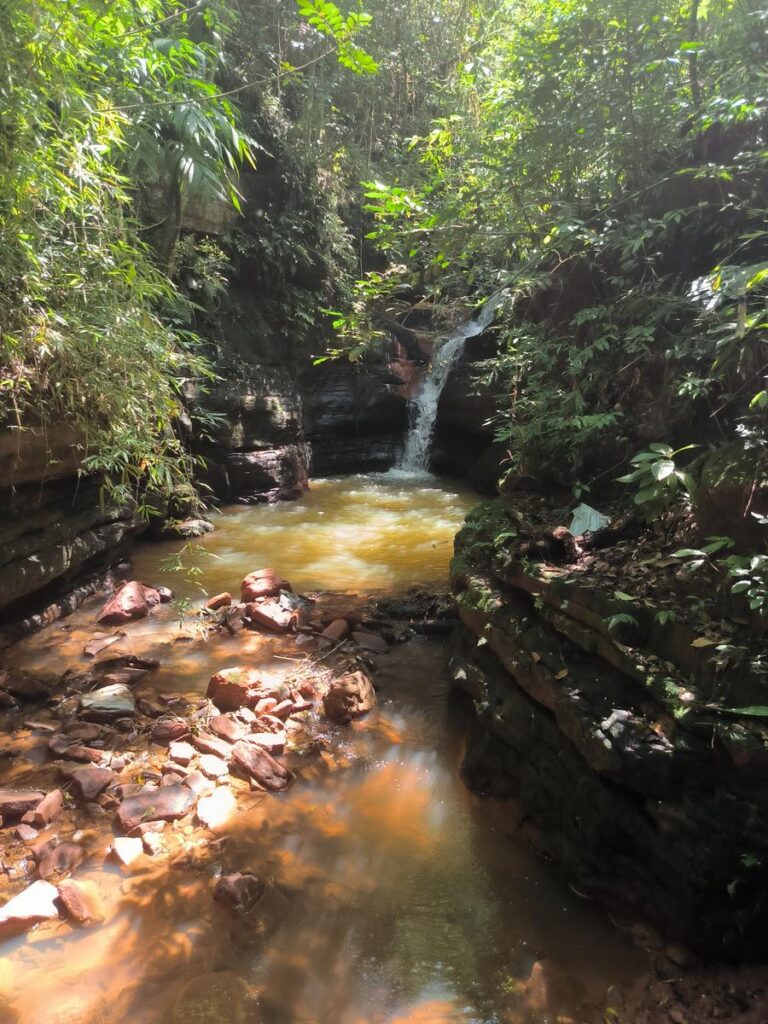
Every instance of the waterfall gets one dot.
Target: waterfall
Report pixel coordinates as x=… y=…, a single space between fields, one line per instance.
x=422 y=411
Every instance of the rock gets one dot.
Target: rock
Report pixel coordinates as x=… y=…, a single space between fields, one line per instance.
x=23 y=685
x=265 y=705
x=127 y=676
x=91 y=782
x=337 y=630
x=257 y=764
x=108 y=703
x=282 y=710
x=172 y=778
x=127 y=604
x=59 y=860
x=181 y=752
x=63 y=746
x=165 y=594
x=272 y=741
x=26 y=833
x=81 y=902
x=349 y=697
x=215 y=810
x=198 y=784
x=208 y=744
x=213 y=767
x=169 y=729
x=152 y=843
x=239 y=891
x=233 y=688
x=219 y=601
x=127 y=849
x=268 y=723
x=271 y=615
x=214 y=998
x=166 y=803
x=88 y=732
x=100 y=642
x=227 y=728
x=46 y=810
x=15 y=802
x=36 y=903
x=370 y=642
x=186 y=529
x=262 y=583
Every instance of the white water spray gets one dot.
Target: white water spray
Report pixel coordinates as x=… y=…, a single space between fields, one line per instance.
x=423 y=407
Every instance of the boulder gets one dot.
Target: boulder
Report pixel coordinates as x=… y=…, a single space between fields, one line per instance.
x=81 y=902
x=259 y=766
x=36 y=903
x=233 y=688
x=262 y=583
x=164 y=804
x=348 y=697
x=108 y=703
x=130 y=602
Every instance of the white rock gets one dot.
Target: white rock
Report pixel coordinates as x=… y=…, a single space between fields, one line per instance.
x=34 y=904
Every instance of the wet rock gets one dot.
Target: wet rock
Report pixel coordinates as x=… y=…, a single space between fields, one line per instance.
x=349 y=697
x=23 y=685
x=87 y=732
x=165 y=594
x=167 y=804
x=208 y=744
x=186 y=529
x=35 y=904
x=127 y=676
x=215 y=810
x=91 y=782
x=81 y=902
x=282 y=710
x=63 y=746
x=59 y=860
x=213 y=999
x=339 y=629
x=260 y=766
x=108 y=704
x=181 y=752
x=127 y=849
x=100 y=642
x=226 y=728
x=262 y=583
x=169 y=729
x=370 y=642
x=219 y=601
x=15 y=802
x=233 y=688
x=268 y=723
x=213 y=767
x=129 y=603
x=46 y=810
x=239 y=891
x=271 y=615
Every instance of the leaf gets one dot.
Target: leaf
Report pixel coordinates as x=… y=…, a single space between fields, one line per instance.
x=703 y=641
x=662 y=469
x=561 y=674
x=622 y=596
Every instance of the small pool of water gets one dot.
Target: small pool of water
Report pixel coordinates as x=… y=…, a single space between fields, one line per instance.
x=376 y=532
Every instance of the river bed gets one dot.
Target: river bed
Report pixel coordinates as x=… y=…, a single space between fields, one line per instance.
x=393 y=894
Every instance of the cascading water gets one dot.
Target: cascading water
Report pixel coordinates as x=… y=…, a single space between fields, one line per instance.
x=423 y=407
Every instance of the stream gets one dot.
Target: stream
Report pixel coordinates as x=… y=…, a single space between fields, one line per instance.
x=394 y=895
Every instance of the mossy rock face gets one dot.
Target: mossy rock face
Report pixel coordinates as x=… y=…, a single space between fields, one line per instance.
x=215 y=998
x=731 y=486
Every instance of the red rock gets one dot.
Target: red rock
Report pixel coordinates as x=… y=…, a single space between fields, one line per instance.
x=126 y=605
x=370 y=642
x=15 y=802
x=166 y=803
x=99 y=642
x=46 y=810
x=219 y=601
x=172 y=779
x=272 y=741
x=227 y=728
x=127 y=849
x=271 y=615
x=169 y=729
x=81 y=901
x=239 y=891
x=59 y=860
x=63 y=746
x=307 y=688
x=126 y=676
x=302 y=705
x=262 y=583
x=265 y=705
x=233 y=688
x=257 y=764
x=23 y=685
x=87 y=732
x=26 y=833
x=36 y=903
x=268 y=723
x=215 y=810
x=198 y=784
x=213 y=767
x=181 y=752
x=349 y=697
x=153 y=596
x=208 y=744
x=283 y=709
x=337 y=630
x=91 y=782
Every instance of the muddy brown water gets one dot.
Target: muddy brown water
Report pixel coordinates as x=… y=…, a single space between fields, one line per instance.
x=394 y=896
